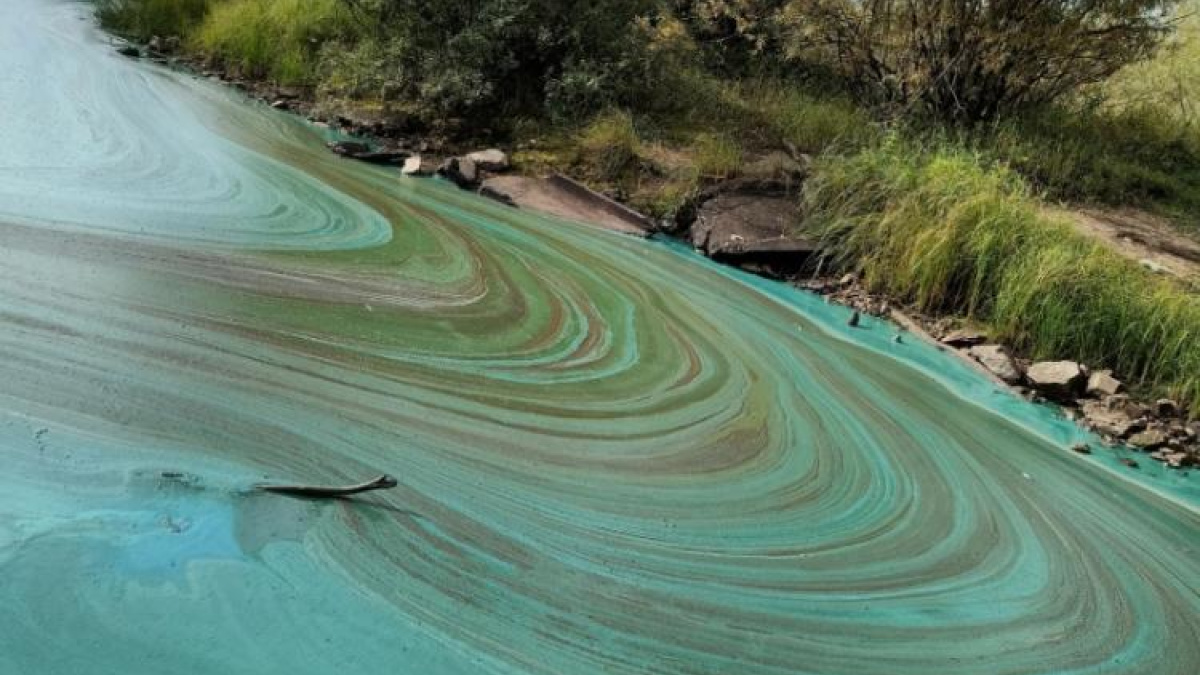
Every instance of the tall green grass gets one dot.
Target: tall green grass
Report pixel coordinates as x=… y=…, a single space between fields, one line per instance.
x=143 y=19
x=1135 y=155
x=941 y=228
x=278 y=39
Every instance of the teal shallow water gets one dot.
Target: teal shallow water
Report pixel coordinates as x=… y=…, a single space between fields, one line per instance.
x=615 y=457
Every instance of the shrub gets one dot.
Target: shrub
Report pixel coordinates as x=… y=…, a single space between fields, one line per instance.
x=498 y=58
x=143 y=19
x=279 y=39
x=965 y=60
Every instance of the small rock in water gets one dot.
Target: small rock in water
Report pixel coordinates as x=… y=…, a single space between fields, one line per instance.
x=497 y=195
x=1129 y=463
x=854 y=319
x=897 y=339
x=130 y=51
x=1081 y=448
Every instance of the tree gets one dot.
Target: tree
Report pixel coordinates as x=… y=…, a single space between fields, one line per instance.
x=971 y=60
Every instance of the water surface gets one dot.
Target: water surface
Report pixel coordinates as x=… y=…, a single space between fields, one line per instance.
x=615 y=457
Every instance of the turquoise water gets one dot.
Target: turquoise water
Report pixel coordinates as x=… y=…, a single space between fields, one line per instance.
x=614 y=456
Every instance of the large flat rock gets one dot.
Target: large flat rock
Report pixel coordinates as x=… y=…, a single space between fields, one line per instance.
x=565 y=198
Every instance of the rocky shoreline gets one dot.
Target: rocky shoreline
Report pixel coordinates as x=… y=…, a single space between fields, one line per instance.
x=747 y=222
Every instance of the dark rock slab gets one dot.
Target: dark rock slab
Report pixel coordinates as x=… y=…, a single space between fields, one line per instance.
x=755 y=232
x=460 y=171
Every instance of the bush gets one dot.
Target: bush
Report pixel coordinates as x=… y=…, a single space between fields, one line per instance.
x=143 y=19
x=942 y=229
x=1168 y=83
x=501 y=59
x=965 y=60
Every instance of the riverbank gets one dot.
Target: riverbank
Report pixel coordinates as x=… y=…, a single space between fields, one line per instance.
x=751 y=210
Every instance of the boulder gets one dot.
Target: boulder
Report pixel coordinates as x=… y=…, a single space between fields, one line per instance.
x=418 y=165
x=1102 y=383
x=129 y=50
x=753 y=232
x=1108 y=420
x=1173 y=459
x=1060 y=381
x=963 y=337
x=1165 y=407
x=1150 y=439
x=490 y=160
x=998 y=361
x=461 y=171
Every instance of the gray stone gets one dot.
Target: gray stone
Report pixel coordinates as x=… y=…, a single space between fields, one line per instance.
x=1151 y=439
x=461 y=171
x=490 y=160
x=1059 y=381
x=416 y=165
x=964 y=337
x=1107 y=420
x=129 y=50
x=1165 y=407
x=1102 y=383
x=998 y=361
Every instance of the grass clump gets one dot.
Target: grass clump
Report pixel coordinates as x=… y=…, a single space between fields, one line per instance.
x=143 y=19
x=716 y=156
x=943 y=229
x=1132 y=156
x=278 y=39
x=609 y=147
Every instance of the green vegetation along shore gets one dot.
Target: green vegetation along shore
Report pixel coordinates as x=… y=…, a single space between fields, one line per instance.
x=931 y=181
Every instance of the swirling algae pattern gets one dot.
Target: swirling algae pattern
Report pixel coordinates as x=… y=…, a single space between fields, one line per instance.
x=614 y=457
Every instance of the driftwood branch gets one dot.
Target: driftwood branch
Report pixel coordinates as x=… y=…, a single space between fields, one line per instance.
x=381 y=483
